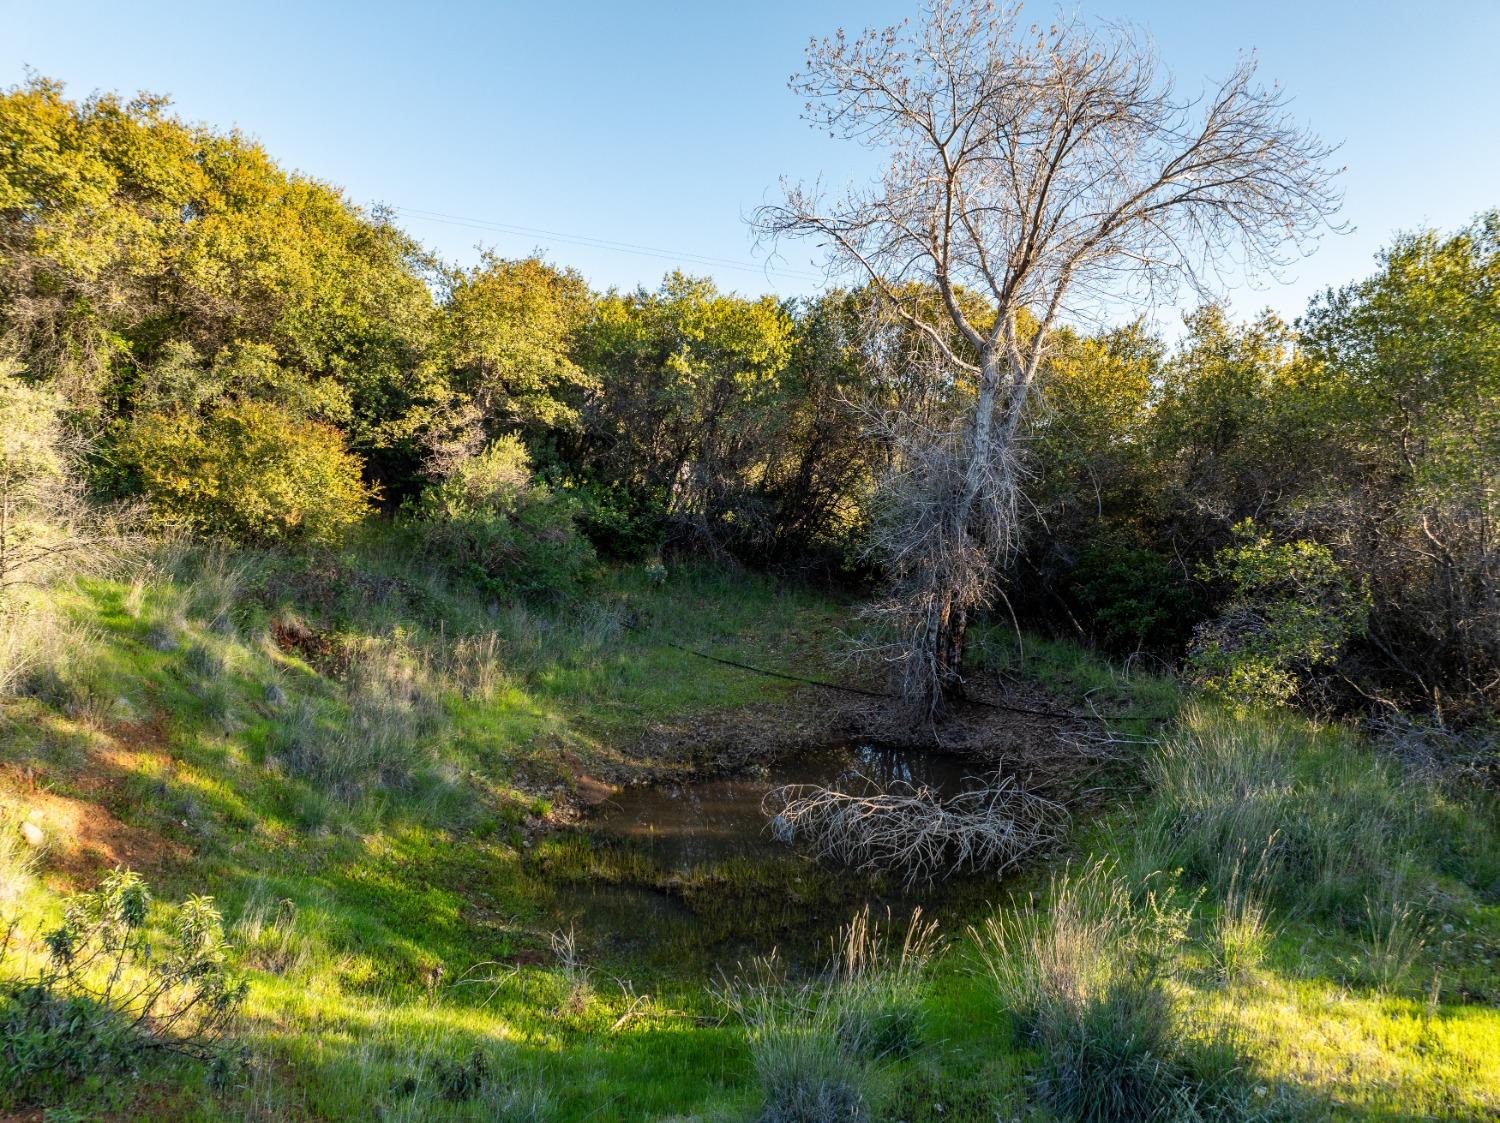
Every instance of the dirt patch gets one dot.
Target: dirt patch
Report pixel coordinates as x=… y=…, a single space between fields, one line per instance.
x=318 y=649
x=1011 y=727
x=83 y=840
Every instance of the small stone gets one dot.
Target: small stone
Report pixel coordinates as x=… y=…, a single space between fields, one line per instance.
x=161 y=639
x=275 y=695
x=33 y=834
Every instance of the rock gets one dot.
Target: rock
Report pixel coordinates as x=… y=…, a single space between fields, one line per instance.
x=275 y=695
x=33 y=834
x=161 y=639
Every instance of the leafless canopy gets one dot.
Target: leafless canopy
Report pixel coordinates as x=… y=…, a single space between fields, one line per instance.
x=1048 y=170
x=1045 y=167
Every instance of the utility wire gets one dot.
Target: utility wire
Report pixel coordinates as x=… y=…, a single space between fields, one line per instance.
x=591 y=242
x=826 y=685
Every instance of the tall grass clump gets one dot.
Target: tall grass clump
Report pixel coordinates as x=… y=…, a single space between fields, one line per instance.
x=1328 y=817
x=379 y=730
x=1241 y=933
x=813 y=1043
x=1086 y=976
x=1395 y=935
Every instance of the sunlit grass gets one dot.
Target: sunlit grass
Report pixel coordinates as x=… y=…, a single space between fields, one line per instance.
x=394 y=927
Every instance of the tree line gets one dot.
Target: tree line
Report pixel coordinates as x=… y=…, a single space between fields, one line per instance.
x=1300 y=511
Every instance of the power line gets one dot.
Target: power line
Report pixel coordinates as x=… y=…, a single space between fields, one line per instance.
x=591 y=242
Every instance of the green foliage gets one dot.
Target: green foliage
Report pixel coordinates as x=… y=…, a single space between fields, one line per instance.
x=1323 y=823
x=508 y=330
x=1132 y=599
x=693 y=403
x=110 y=993
x=1410 y=402
x=249 y=472
x=490 y=520
x=1291 y=608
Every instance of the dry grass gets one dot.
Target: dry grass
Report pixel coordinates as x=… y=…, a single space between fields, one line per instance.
x=813 y=1042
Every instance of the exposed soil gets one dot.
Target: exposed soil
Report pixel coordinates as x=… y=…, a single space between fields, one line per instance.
x=84 y=839
x=1039 y=745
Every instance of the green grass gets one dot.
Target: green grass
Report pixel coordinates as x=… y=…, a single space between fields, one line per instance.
x=396 y=909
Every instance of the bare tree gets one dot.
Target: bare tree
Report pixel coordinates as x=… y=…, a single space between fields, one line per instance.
x=1050 y=170
x=47 y=524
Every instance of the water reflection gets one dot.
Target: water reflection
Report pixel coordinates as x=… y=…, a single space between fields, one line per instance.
x=687 y=825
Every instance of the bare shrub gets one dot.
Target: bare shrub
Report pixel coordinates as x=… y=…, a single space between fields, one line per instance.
x=18 y=860
x=910 y=831
x=578 y=982
x=48 y=526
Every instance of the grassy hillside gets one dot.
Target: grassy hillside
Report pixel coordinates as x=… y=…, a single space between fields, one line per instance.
x=375 y=775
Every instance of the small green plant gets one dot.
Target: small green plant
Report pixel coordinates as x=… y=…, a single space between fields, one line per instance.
x=109 y=993
x=1291 y=608
x=1132 y=599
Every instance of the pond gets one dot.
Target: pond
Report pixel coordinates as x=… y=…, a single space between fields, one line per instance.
x=686 y=877
x=686 y=825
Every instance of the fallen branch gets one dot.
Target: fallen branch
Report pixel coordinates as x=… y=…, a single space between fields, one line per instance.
x=911 y=831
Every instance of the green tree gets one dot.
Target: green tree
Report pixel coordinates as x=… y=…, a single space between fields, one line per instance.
x=508 y=328
x=692 y=400
x=126 y=233
x=1410 y=364
x=249 y=471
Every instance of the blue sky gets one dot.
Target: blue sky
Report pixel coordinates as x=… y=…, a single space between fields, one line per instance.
x=662 y=125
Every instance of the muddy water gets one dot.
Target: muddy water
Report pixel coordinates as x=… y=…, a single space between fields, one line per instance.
x=687 y=877
x=694 y=824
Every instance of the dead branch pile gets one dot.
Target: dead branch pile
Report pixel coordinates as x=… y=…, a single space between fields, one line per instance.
x=910 y=831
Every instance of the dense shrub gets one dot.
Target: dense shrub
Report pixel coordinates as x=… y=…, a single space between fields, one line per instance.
x=491 y=521
x=110 y=993
x=249 y=472
x=1291 y=608
x=1130 y=599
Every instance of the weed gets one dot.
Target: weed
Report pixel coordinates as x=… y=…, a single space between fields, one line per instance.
x=1395 y=935
x=1239 y=936
x=108 y=993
